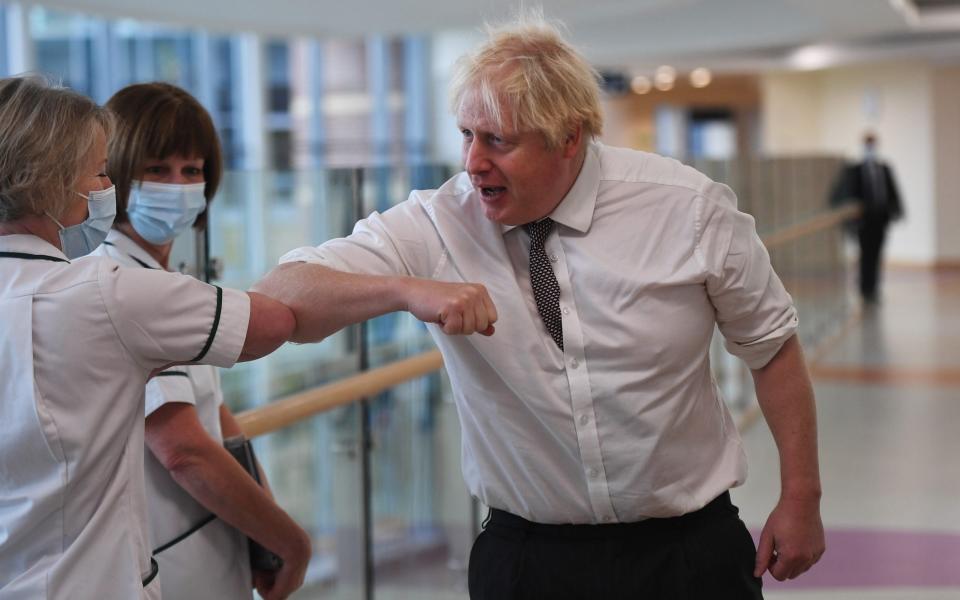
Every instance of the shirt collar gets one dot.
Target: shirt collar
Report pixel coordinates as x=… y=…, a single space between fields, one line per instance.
x=123 y=243
x=30 y=244
x=576 y=209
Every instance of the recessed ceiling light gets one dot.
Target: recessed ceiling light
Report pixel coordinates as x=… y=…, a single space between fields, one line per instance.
x=640 y=85
x=701 y=77
x=664 y=78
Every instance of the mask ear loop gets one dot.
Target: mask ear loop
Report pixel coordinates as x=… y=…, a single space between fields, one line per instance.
x=87 y=197
x=54 y=219
x=59 y=224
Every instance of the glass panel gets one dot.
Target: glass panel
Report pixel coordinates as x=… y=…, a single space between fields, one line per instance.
x=302 y=462
x=422 y=528
x=4 y=41
x=421 y=509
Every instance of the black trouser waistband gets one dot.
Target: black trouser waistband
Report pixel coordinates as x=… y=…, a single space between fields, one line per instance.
x=509 y=523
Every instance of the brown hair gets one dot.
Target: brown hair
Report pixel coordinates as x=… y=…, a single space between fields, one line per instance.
x=46 y=133
x=157 y=120
x=527 y=69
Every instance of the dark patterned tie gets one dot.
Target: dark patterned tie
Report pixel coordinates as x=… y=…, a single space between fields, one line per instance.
x=546 y=290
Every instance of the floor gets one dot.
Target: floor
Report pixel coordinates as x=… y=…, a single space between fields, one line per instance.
x=888 y=399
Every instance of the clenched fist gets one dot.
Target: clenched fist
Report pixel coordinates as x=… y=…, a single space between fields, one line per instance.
x=458 y=308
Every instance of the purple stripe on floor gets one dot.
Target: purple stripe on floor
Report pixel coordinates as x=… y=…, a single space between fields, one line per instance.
x=877 y=558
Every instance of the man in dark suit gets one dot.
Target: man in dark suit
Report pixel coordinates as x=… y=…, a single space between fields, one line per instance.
x=871 y=184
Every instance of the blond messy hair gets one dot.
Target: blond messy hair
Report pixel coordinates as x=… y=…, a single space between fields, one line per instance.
x=528 y=71
x=46 y=133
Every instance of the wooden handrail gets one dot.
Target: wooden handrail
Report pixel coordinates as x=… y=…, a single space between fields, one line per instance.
x=811 y=226
x=289 y=410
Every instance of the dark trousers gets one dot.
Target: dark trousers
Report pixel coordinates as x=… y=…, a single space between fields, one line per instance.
x=704 y=555
x=871 y=233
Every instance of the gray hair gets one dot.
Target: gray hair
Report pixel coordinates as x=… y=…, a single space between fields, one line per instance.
x=527 y=69
x=46 y=133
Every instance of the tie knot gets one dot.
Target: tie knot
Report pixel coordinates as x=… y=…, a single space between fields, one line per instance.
x=539 y=230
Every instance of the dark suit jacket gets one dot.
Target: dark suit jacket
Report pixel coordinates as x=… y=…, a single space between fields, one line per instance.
x=854 y=185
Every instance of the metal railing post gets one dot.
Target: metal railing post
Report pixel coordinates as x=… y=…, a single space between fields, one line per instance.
x=363 y=364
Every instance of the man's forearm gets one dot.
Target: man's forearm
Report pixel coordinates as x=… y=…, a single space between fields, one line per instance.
x=325 y=301
x=792 y=540
x=786 y=398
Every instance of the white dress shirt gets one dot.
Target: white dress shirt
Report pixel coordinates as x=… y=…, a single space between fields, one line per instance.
x=626 y=422
x=213 y=562
x=78 y=341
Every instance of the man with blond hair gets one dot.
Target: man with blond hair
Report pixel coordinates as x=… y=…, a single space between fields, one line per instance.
x=591 y=424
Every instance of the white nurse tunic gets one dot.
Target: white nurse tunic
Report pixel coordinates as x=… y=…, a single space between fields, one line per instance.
x=78 y=342
x=213 y=561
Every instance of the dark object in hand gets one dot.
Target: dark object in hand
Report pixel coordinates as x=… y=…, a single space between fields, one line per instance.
x=261 y=559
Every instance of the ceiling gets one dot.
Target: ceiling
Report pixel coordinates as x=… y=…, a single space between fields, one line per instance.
x=733 y=35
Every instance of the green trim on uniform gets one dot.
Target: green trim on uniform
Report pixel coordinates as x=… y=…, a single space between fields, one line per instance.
x=172 y=374
x=141 y=263
x=26 y=256
x=184 y=535
x=154 y=569
x=213 y=330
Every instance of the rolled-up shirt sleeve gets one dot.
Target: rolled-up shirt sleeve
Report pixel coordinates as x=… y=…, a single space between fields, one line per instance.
x=754 y=312
x=164 y=317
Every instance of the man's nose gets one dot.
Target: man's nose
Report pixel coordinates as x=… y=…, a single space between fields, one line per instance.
x=475 y=159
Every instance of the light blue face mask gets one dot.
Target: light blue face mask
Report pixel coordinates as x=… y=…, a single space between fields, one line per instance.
x=160 y=212
x=83 y=238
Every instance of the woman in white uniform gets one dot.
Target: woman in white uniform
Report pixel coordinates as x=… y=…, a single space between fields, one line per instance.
x=165 y=160
x=78 y=341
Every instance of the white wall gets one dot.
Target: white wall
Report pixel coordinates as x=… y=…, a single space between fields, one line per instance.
x=946 y=110
x=791 y=113
x=828 y=111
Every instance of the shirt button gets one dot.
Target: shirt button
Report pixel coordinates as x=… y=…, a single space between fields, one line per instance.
x=584 y=419
x=593 y=473
x=566 y=310
x=574 y=363
x=607 y=518
x=554 y=258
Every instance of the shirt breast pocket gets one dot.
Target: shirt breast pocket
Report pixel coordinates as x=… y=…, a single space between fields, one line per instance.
x=446 y=270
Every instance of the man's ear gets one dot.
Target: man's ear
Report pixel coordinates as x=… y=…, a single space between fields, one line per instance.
x=572 y=141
